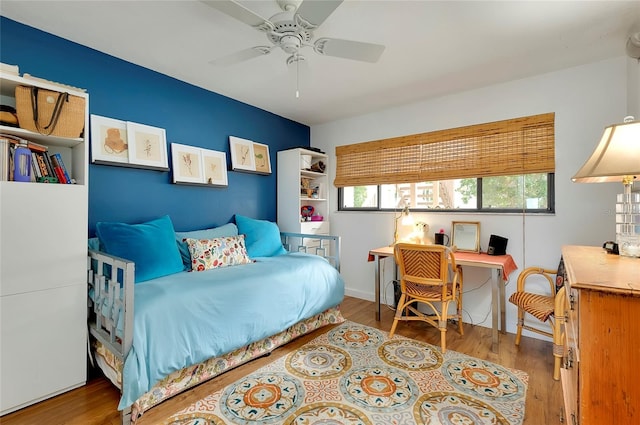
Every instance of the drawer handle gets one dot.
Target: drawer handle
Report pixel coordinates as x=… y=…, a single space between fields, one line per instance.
x=568 y=361
x=572 y=301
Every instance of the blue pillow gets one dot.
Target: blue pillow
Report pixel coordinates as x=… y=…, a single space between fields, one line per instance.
x=152 y=246
x=262 y=237
x=228 y=229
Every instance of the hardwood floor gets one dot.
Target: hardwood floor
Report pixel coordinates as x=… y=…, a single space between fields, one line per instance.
x=95 y=403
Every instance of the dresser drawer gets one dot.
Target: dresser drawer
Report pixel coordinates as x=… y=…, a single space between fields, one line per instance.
x=571 y=327
x=315 y=227
x=569 y=379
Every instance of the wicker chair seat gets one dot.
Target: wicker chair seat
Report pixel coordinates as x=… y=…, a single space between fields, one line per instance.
x=539 y=306
x=418 y=290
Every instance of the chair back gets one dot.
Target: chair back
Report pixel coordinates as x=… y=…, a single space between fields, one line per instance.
x=424 y=264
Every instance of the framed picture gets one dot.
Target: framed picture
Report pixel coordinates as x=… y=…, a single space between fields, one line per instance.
x=147 y=146
x=261 y=158
x=187 y=164
x=109 y=140
x=192 y=165
x=242 y=156
x=465 y=235
x=214 y=165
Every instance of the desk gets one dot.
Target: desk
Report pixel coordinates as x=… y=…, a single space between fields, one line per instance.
x=501 y=267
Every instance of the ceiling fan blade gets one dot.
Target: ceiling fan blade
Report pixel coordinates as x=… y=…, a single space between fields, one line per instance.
x=242 y=55
x=239 y=12
x=316 y=12
x=348 y=49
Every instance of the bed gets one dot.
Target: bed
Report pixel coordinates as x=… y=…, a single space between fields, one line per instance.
x=158 y=337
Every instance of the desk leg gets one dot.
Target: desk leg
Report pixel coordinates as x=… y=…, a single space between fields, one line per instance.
x=495 y=339
x=503 y=307
x=377 y=289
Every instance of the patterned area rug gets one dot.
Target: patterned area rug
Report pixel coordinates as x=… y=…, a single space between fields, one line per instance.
x=355 y=374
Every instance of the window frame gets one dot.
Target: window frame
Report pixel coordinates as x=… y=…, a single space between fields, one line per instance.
x=549 y=210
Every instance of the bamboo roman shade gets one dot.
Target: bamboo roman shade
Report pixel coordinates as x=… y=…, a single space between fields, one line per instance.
x=510 y=147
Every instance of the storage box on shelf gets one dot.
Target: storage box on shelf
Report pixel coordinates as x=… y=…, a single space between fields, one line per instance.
x=303 y=204
x=43 y=306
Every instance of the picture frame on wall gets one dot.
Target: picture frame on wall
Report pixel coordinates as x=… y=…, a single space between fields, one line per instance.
x=214 y=165
x=147 y=146
x=187 y=164
x=261 y=158
x=109 y=141
x=198 y=166
x=242 y=154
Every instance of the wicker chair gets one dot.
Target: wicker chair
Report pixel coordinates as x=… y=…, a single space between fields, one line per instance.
x=425 y=278
x=547 y=308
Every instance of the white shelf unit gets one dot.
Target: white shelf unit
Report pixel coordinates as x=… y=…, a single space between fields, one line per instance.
x=43 y=256
x=291 y=198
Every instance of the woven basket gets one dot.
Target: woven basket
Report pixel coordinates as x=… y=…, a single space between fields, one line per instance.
x=70 y=122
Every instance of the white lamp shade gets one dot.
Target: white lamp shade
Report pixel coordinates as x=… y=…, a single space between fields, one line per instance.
x=616 y=156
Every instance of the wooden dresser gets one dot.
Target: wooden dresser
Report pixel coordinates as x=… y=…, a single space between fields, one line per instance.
x=600 y=376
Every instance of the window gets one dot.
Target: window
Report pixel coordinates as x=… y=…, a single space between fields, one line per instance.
x=531 y=193
x=501 y=166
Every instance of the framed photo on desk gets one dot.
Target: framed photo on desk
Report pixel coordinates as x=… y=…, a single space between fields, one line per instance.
x=465 y=235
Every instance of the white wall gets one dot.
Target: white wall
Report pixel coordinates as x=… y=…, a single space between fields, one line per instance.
x=585 y=99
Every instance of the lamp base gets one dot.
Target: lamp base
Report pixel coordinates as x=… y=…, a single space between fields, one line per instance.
x=628 y=223
x=628 y=245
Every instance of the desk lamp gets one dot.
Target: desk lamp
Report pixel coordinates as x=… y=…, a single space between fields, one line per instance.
x=407 y=219
x=617 y=159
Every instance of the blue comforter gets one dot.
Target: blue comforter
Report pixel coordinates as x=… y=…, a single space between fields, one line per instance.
x=186 y=318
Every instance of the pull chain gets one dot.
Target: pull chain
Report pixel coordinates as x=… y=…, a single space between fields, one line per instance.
x=297 y=77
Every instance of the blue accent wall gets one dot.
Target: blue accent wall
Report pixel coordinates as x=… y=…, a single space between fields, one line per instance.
x=190 y=115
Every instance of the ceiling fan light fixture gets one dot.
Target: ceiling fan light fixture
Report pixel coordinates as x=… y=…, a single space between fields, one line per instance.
x=290 y=43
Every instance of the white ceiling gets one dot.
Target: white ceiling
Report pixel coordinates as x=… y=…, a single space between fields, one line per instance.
x=432 y=47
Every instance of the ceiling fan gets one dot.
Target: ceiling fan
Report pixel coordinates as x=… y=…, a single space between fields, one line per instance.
x=292 y=29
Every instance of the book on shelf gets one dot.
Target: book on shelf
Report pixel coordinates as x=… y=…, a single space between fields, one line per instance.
x=45 y=171
x=57 y=169
x=35 y=167
x=58 y=159
x=4 y=158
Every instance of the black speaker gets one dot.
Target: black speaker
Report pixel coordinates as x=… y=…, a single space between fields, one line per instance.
x=497 y=245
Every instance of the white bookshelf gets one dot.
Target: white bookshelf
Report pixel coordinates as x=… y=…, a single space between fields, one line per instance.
x=291 y=198
x=43 y=256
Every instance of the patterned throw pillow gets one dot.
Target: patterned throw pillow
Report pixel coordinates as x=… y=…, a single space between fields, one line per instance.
x=217 y=252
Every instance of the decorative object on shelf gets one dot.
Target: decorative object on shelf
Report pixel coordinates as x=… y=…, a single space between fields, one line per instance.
x=147 y=145
x=22 y=164
x=305 y=187
x=261 y=158
x=192 y=165
x=187 y=164
x=8 y=116
x=214 y=164
x=617 y=159
x=318 y=167
x=50 y=112
x=306 y=212
x=465 y=235
x=128 y=144
x=249 y=156
x=407 y=219
x=305 y=162
x=109 y=140
x=242 y=157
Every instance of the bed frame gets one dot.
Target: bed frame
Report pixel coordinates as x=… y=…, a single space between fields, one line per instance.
x=111 y=289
